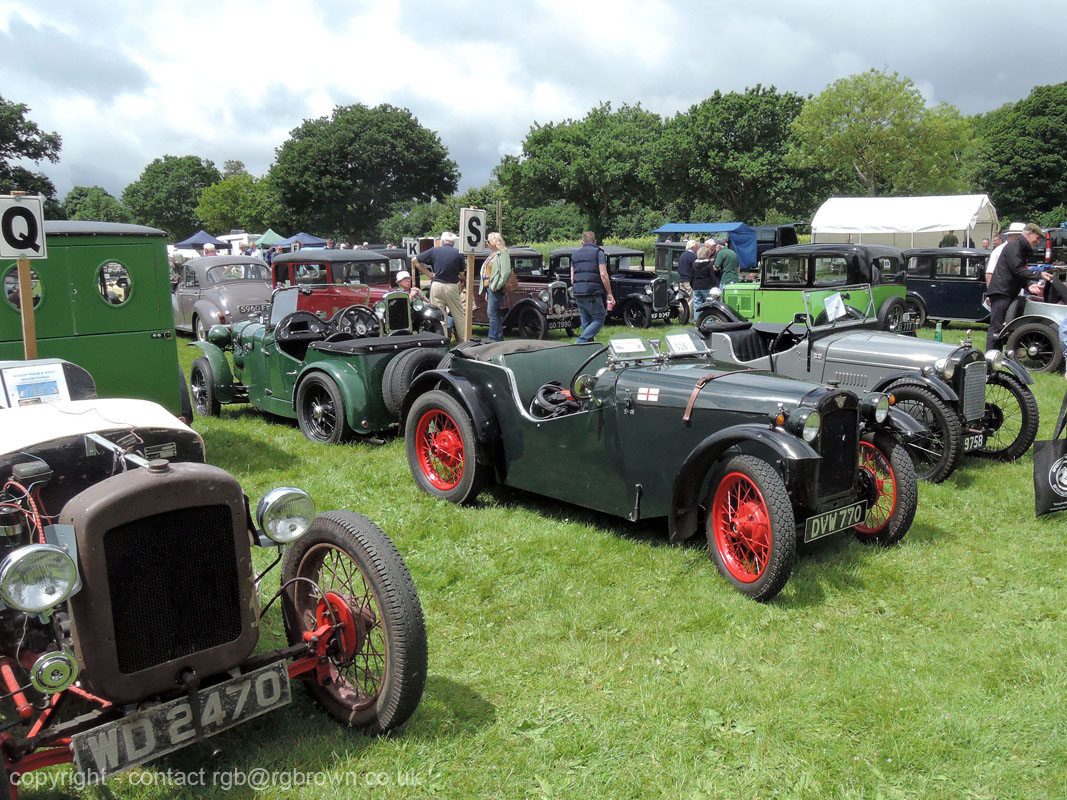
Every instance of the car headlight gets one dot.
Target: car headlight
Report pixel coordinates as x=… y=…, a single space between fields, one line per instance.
x=37 y=577
x=545 y=296
x=417 y=304
x=875 y=406
x=570 y=292
x=805 y=423
x=715 y=293
x=379 y=308
x=945 y=368
x=995 y=359
x=648 y=288
x=285 y=514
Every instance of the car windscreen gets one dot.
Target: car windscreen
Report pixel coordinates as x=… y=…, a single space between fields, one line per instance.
x=350 y=273
x=785 y=271
x=626 y=263
x=238 y=272
x=284 y=303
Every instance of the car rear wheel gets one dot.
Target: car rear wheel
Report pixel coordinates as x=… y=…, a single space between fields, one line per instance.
x=400 y=372
x=917 y=308
x=1036 y=346
x=750 y=527
x=935 y=453
x=442 y=449
x=532 y=324
x=1011 y=418
x=346 y=571
x=890 y=314
x=636 y=314
x=199 y=329
x=320 y=410
x=202 y=386
x=891 y=488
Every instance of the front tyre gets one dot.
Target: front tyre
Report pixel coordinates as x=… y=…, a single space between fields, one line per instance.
x=532 y=323
x=1011 y=418
x=750 y=527
x=442 y=449
x=202 y=385
x=377 y=659
x=892 y=491
x=1036 y=346
x=320 y=410
x=684 y=314
x=936 y=452
x=636 y=314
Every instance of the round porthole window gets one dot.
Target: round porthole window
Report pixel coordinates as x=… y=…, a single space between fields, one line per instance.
x=11 y=288
x=114 y=284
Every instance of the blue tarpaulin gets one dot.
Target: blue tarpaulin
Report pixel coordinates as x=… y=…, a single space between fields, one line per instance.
x=199 y=239
x=742 y=237
x=305 y=239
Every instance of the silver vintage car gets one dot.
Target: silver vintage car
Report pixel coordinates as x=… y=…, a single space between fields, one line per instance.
x=220 y=290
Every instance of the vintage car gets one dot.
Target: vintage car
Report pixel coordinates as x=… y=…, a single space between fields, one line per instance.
x=1031 y=326
x=641 y=296
x=342 y=278
x=946 y=283
x=786 y=272
x=755 y=459
x=538 y=304
x=337 y=377
x=129 y=589
x=219 y=290
x=968 y=402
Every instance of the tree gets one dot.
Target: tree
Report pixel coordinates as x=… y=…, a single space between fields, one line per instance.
x=20 y=138
x=241 y=202
x=872 y=134
x=167 y=192
x=601 y=164
x=342 y=175
x=94 y=203
x=1020 y=153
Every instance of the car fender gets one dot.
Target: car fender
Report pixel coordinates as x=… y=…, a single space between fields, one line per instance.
x=901 y=423
x=915 y=296
x=470 y=397
x=1026 y=319
x=935 y=385
x=353 y=386
x=1018 y=370
x=512 y=317
x=220 y=369
x=207 y=311
x=709 y=306
x=430 y=312
x=685 y=496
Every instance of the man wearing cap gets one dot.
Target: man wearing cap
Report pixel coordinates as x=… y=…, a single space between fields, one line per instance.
x=447 y=263
x=685 y=267
x=1014 y=231
x=403 y=281
x=727 y=267
x=1011 y=275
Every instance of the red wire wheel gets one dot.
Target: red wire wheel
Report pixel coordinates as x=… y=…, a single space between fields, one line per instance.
x=893 y=493
x=742 y=527
x=881 y=508
x=440 y=449
x=444 y=454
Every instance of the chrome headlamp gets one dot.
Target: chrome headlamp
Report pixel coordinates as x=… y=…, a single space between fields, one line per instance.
x=37 y=577
x=285 y=514
x=875 y=407
x=805 y=423
x=379 y=308
x=945 y=368
x=648 y=288
x=545 y=296
x=417 y=304
x=995 y=359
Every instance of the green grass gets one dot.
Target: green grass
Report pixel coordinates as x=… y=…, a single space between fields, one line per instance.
x=577 y=655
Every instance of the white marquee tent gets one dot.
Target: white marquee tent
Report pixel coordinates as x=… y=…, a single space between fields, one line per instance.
x=905 y=221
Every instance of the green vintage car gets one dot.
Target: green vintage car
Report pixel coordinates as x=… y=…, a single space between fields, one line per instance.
x=785 y=272
x=753 y=460
x=337 y=377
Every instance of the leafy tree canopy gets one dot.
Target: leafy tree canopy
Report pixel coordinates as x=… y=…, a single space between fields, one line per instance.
x=342 y=175
x=168 y=191
x=94 y=203
x=21 y=138
x=239 y=202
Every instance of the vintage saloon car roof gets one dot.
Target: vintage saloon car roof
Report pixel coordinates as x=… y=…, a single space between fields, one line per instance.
x=311 y=254
x=837 y=248
x=204 y=263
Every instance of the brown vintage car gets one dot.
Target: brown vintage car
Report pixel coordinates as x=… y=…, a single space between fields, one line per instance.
x=539 y=304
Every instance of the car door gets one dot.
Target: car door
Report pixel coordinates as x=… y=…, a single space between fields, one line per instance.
x=960 y=284
x=188 y=294
x=919 y=278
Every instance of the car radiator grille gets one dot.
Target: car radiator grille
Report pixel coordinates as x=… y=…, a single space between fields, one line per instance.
x=559 y=297
x=397 y=314
x=838 y=448
x=174 y=585
x=973 y=400
x=659 y=293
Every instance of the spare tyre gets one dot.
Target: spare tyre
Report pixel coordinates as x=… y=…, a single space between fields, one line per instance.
x=401 y=371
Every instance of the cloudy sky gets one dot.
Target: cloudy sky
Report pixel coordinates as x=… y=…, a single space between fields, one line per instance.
x=126 y=81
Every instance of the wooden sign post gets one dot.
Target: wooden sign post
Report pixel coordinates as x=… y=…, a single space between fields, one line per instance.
x=471 y=243
x=22 y=237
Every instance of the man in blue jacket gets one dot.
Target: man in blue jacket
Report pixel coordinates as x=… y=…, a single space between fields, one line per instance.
x=589 y=277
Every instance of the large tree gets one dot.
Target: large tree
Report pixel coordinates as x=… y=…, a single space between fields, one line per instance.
x=600 y=163
x=239 y=201
x=94 y=203
x=167 y=193
x=21 y=138
x=343 y=174
x=1020 y=153
x=873 y=134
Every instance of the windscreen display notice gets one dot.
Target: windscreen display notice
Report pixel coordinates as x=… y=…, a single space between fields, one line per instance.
x=30 y=385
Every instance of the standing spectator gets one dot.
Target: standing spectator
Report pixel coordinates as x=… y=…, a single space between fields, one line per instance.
x=446 y=263
x=999 y=241
x=495 y=273
x=703 y=276
x=727 y=267
x=209 y=249
x=589 y=277
x=254 y=251
x=685 y=266
x=330 y=244
x=949 y=240
x=985 y=244
x=1011 y=275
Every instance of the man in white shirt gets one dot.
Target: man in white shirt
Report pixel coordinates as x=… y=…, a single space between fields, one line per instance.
x=1014 y=230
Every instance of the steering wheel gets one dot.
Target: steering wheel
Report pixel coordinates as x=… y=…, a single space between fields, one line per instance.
x=578 y=372
x=299 y=325
x=358 y=320
x=781 y=335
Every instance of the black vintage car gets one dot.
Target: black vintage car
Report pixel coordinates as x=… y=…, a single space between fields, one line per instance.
x=537 y=304
x=641 y=296
x=946 y=283
x=129 y=615
x=754 y=460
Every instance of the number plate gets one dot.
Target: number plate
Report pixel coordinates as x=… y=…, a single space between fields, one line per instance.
x=556 y=325
x=255 y=309
x=973 y=441
x=661 y=314
x=904 y=327
x=146 y=735
x=833 y=521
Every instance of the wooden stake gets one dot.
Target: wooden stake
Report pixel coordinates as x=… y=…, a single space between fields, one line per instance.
x=468 y=311
x=29 y=326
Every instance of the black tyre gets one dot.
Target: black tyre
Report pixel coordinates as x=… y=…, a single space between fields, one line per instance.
x=202 y=387
x=711 y=317
x=184 y=398
x=750 y=527
x=442 y=448
x=890 y=314
x=1015 y=310
x=936 y=453
x=636 y=314
x=684 y=313
x=532 y=323
x=400 y=372
x=199 y=329
x=1011 y=418
x=1036 y=346
x=892 y=490
x=377 y=659
x=320 y=410
x=917 y=308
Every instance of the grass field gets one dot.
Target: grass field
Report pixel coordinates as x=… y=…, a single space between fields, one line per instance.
x=576 y=655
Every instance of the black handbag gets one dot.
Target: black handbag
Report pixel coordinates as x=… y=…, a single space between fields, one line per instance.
x=1050 y=469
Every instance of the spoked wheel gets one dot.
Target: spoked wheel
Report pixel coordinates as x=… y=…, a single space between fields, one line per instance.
x=320 y=410
x=442 y=449
x=917 y=309
x=750 y=528
x=636 y=314
x=936 y=453
x=1011 y=418
x=202 y=385
x=532 y=323
x=684 y=314
x=890 y=487
x=710 y=317
x=376 y=666
x=1036 y=346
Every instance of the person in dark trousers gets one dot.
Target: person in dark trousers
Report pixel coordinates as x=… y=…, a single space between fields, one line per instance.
x=685 y=267
x=1012 y=275
x=447 y=264
x=589 y=277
